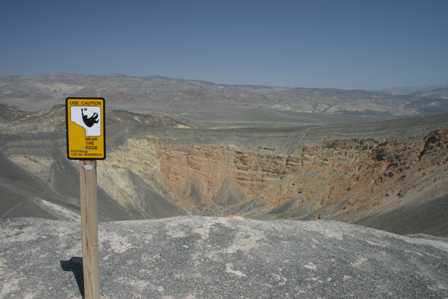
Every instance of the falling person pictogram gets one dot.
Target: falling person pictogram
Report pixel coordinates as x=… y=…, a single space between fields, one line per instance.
x=89 y=121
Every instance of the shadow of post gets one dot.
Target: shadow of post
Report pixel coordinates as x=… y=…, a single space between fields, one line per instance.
x=74 y=265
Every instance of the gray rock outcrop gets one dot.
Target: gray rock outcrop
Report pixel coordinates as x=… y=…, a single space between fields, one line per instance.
x=201 y=257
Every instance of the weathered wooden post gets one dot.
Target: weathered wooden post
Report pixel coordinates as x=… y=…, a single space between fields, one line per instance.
x=89 y=228
x=85 y=119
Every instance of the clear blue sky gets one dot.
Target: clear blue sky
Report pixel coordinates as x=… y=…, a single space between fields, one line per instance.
x=334 y=43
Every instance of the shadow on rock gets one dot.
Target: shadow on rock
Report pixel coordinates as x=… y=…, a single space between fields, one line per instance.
x=74 y=265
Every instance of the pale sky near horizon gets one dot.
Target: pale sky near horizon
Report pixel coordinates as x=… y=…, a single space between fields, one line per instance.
x=342 y=44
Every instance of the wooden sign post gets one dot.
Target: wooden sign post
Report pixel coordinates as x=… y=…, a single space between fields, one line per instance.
x=85 y=119
x=89 y=228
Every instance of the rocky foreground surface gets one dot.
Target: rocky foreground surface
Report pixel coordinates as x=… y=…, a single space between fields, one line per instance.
x=201 y=257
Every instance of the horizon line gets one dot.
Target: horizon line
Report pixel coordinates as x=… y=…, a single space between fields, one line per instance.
x=433 y=85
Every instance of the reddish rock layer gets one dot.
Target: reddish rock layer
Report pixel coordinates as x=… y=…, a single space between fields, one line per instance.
x=345 y=179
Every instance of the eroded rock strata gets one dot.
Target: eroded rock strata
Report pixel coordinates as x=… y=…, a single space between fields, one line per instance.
x=346 y=179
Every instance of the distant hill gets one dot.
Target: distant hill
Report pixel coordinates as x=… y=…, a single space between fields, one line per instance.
x=407 y=90
x=179 y=96
x=436 y=93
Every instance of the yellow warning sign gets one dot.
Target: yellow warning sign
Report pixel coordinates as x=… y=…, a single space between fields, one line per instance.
x=85 y=120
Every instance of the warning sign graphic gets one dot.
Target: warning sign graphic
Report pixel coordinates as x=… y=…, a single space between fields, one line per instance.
x=85 y=128
x=88 y=118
